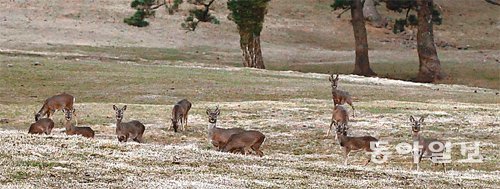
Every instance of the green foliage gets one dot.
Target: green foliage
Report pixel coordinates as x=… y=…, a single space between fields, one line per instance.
x=173 y=7
x=341 y=4
x=143 y=11
x=399 y=25
x=248 y=14
x=437 y=18
x=199 y=15
x=410 y=20
x=137 y=19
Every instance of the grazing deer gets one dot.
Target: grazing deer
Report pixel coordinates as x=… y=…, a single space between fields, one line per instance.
x=244 y=141
x=73 y=130
x=44 y=125
x=339 y=115
x=180 y=113
x=340 y=97
x=132 y=129
x=57 y=102
x=219 y=136
x=353 y=143
x=428 y=148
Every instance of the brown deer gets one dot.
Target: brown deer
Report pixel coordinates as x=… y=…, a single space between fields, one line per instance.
x=73 y=130
x=353 y=143
x=125 y=130
x=57 y=102
x=340 y=97
x=339 y=115
x=244 y=141
x=219 y=136
x=44 y=125
x=428 y=148
x=180 y=113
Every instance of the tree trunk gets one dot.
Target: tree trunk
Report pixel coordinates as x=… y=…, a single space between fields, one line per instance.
x=250 y=47
x=362 y=63
x=430 y=67
x=371 y=14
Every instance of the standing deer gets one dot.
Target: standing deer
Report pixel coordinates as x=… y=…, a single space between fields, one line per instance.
x=73 y=130
x=180 y=113
x=219 y=136
x=57 y=102
x=353 y=143
x=41 y=126
x=339 y=116
x=340 y=97
x=244 y=141
x=125 y=130
x=428 y=148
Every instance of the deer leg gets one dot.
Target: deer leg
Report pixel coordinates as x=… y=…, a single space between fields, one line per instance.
x=352 y=106
x=444 y=167
x=346 y=156
x=328 y=132
x=185 y=121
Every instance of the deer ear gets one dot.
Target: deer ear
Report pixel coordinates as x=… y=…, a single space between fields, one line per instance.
x=74 y=110
x=114 y=107
x=124 y=107
x=330 y=78
x=63 y=110
x=337 y=78
x=412 y=119
x=421 y=119
x=208 y=111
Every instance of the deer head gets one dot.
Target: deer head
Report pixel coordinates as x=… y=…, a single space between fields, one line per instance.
x=416 y=125
x=334 y=81
x=68 y=114
x=119 y=112
x=212 y=115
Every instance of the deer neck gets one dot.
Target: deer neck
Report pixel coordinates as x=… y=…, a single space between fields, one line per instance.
x=416 y=136
x=118 y=123
x=68 y=125
x=342 y=139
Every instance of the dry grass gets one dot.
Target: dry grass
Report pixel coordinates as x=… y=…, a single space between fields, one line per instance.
x=292 y=109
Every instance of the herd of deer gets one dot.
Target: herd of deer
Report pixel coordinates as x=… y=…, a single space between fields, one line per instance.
x=235 y=140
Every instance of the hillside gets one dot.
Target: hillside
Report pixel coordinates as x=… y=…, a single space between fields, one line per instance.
x=298 y=35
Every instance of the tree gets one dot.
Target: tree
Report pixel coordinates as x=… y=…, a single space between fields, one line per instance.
x=361 y=63
x=247 y=14
x=427 y=15
x=372 y=15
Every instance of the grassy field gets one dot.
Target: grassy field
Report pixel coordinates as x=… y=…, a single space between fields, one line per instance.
x=291 y=108
x=84 y=48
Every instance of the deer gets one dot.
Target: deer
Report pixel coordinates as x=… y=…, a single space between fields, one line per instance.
x=340 y=97
x=350 y=144
x=219 y=136
x=73 y=130
x=339 y=115
x=244 y=141
x=180 y=114
x=125 y=130
x=44 y=125
x=427 y=147
x=56 y=102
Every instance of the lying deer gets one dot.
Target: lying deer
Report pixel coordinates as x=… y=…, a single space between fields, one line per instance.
x=125 y=130
x=57 y=102
x=353 y=143
x=44 y=125
x=339 y=115
x=219 y=136
x=73 y=130
x=244 y=141
x=180 y=113
x=340 y=97
x=425 y=144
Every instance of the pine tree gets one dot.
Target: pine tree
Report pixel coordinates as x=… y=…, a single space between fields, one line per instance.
x=427 y=15
x=362 y=63
x=247 y=14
